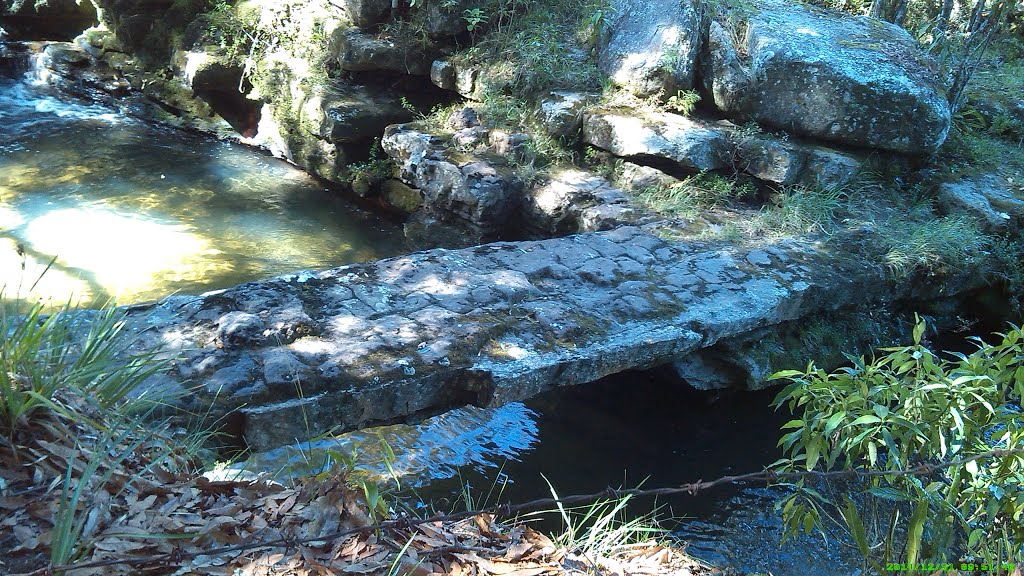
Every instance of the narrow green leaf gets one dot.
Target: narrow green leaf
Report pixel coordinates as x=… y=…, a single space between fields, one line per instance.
x=834 y=421
x=888 y=493
x=915 y=531
x=865 y=419
x=813 y=451
x=781 y=374
x=856 y=526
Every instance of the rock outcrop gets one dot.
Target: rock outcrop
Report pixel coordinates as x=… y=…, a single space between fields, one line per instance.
x=694 y=144
x=651 y=47
x=826 y=75
x=468 y=182
x=476 y=191
x=46 y=19
x=366 y=13
x=361 y=52
x=998 y=204
x=426 y=332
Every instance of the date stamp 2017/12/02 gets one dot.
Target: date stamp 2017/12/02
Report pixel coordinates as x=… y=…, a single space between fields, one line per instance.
x=930 y=568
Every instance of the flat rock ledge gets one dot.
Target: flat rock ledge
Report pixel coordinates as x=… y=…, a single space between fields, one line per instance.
x=382 y=341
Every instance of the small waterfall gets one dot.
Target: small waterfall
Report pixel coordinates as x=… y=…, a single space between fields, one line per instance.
x=25 y=61
x=38 y=72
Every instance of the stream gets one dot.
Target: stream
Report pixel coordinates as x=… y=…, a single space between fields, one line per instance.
x=97 y=207
x=129 y=212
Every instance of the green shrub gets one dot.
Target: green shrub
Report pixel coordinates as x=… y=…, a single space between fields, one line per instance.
x=937 y=244
x=41 y=358
x=907 y=408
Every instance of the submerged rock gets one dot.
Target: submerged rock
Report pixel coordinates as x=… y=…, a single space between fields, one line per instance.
x=651 y=47
x=828 y=75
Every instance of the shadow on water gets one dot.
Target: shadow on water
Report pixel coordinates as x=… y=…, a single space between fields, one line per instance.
x=135 y=212
x=631 y=429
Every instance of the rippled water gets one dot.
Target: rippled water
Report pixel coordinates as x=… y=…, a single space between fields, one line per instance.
x=132 y=212
x=629 y=430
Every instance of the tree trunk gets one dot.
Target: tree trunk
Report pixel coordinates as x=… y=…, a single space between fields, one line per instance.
x=944 y=15
x=877 y=7
x=899 y=13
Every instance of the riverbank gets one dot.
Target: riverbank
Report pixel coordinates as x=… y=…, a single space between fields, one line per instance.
x=91 y=478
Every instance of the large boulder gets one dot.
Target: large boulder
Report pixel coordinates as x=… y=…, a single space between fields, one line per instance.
x=366 y=13
x=698 y=145
x=831 y=76
x=651 y=46
x=573 y=201
x=360 y=52
x=692 y=144
x=46 y=19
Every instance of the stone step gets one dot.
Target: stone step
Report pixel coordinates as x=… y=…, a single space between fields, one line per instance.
x=426 y=332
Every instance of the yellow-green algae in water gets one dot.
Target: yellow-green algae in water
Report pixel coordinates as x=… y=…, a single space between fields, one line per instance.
x=130 y=212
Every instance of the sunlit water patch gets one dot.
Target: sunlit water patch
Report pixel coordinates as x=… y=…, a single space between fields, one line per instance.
x=628 y=430
x=111 y=208
x=439 y=448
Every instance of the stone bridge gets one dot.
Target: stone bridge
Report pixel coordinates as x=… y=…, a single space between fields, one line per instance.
x=381 y=341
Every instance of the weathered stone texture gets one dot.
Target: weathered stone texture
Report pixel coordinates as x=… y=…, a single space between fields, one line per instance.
x=827 y=75
x=691 y=144
x=361 y=52
x=45 y=19
x=992 y=200
x=381 y=341
x=650 y=47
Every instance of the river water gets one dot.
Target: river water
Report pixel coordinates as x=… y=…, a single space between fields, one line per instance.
x=113 y=209
x=628 y=430
x=131 y=212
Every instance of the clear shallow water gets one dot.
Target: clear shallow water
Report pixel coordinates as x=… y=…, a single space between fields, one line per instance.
x=133 y=212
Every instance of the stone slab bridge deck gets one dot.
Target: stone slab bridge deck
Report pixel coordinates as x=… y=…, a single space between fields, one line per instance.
x=422 y=333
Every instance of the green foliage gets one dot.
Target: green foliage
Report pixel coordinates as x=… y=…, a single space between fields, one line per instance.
x=933 y=244
x=793 y=210
x=366 y=176
x=683 y=102
x=41 y=358
x=248 y=34
x=906 y=408
x=602 y=529
x=1008 y=257
x=695 y=193
x=474 y=17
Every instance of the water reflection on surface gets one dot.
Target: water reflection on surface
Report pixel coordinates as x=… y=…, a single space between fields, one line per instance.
x=629 y=430
x=132 y=212
x=441 y=447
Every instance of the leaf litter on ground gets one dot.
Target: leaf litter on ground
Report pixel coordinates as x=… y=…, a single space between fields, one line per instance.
x=144 y=500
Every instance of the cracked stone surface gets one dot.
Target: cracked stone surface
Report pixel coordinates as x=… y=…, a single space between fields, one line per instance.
x=382 y=341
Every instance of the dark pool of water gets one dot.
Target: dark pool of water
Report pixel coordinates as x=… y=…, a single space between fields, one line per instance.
x=632 y=429
x=635 y=429
x=132 y=212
